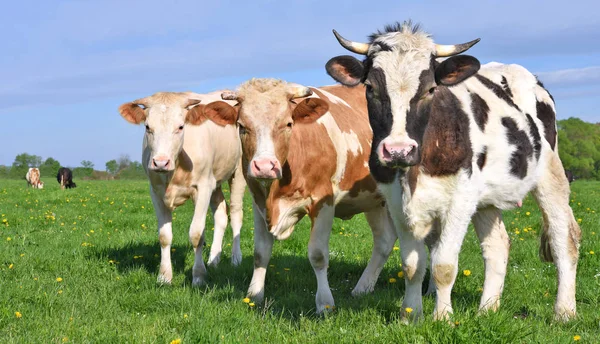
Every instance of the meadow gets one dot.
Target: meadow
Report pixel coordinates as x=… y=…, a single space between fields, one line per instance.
x=80 y=265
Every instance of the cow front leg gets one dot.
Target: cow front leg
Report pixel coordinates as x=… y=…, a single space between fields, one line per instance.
x=318 y=254
x=414 y=264
x=202 y=201
x=219 y=209
x=165 y=237
x=263 y=246
x=237 y=186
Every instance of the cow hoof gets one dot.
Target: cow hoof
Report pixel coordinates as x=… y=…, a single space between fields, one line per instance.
x=362 y=290
x=163 y=280
x=197 y=282
x=257 y=297
x=214 y=261
x=236 y=259
x=565 y=315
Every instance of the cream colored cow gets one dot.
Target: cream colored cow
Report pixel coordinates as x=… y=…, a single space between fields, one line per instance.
x=192 y=168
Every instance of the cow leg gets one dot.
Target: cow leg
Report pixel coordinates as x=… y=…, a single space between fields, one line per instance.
x=414 y=264
x=430 y=240
x=560 y=234
x=263 y=247
x=318 y=255
x=165 y=237
x=237 y=186
x=495 y=246
x=202 y=201
x=444 y=261
x=219 y=210
x=384 y=237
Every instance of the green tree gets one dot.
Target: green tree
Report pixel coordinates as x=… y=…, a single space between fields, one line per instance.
x=22 y=163
x=49 y=167
x=112 y=167
x=87 y=164
x=579 y=147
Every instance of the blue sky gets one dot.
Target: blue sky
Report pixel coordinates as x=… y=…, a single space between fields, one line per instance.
x=66 y=66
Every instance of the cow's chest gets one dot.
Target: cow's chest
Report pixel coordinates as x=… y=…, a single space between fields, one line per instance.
x=175 y=195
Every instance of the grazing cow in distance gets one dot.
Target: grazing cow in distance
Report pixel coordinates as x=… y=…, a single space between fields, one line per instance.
x=455 y=142
x=305 y=152
x=65 y=178
x=33 y=178
x=570 y=176
x=193 y=168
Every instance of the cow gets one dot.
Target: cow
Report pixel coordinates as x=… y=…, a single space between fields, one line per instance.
x=570 y=176
x=65 y=178
x=33 y=178
x=454 y=142
x=305 y=152
x=193 y=168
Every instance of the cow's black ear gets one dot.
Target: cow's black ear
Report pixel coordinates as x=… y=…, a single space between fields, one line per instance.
x=345 y=69
x=456 y=69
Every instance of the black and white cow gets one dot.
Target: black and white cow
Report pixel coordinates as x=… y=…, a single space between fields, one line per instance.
x=65 y=178
x=455 y=142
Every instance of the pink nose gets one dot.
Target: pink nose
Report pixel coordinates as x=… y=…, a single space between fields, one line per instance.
x=396 y=151
x=265 y=168
x=161 y=163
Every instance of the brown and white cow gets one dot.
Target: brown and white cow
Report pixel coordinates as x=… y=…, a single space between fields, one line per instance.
x=455 y=142
x=305 y=152
x=192 y=168
x=33 y=178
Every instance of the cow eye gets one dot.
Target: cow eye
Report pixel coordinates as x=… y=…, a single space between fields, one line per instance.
x=181 y=127
x=431 y=90
x=148 y=128
x=289 y=125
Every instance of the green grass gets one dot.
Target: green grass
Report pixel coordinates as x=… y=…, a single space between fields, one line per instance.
x=100 y=239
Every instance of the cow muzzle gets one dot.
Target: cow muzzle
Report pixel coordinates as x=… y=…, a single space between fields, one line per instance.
x=265 y=168
x=161 y=164
x=402 y=153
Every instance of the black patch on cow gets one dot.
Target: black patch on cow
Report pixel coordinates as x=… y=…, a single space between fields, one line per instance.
x=519 y=139
x=419 y=107
x=504 y=84
x=381 y=120
x=481 y=158
x=546 y=114
x=540 y=84
x=535 y=134
x=446 y=146
x=497 y=89
x=480 y=110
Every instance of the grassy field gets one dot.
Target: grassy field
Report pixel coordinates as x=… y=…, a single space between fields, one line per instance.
x=81 y=265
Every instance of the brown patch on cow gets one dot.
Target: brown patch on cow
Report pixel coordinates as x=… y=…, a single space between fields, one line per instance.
x=132 y=113
x=443 y=274
x=413 y=177
x=574 y=239
x=446 y=141
x=409 y=271
x=221 y=113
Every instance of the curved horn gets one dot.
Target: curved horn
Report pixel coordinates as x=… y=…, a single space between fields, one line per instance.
x=300 y=92
x=229 y=95
x=358 y=48
x=451 y=50
x=191 y=102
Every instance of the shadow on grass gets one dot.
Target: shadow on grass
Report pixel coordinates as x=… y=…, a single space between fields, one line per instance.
x=290 y=282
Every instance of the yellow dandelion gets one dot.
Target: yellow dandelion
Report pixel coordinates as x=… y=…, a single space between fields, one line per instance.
x=60 y=291
x=408 y=310
x=467 y=272
x=327 y=306
x=576 y=337
x=527 y=213
x=517 y=232
x=396 y=248
x=456 y=323
x=10 y=266
x=246 y=300
x=18 y=315
x=59 y=279
x=578 y=220
x=65 y=339
x=8 y=239
x=400 y=274
x=185 y=316
x=251 y=304
x=591 y=252
x=593 y=233
x=392 y=280
x=176 y=341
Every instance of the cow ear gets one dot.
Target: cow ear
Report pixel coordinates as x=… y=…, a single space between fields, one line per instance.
x=221 y=113
x=132 y=113
x=456 y=69
x=309 y=110
x=345 y=69
x=195 y=115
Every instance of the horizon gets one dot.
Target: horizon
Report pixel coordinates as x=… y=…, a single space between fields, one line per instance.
x=67 y=72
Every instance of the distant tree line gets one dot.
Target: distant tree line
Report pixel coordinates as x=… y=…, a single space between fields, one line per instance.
x=122 y=168
x=578 y=147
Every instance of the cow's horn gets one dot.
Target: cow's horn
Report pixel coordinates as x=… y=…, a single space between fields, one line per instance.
x=300 y=92
x=229 y=95
x=191 y=102
x=145 y=102
x=355 y=47
x=451 y=50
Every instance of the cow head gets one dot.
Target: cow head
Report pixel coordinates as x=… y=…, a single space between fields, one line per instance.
x=268 y=111
x=401 y=76
x=40 y=185
x=165 y=115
